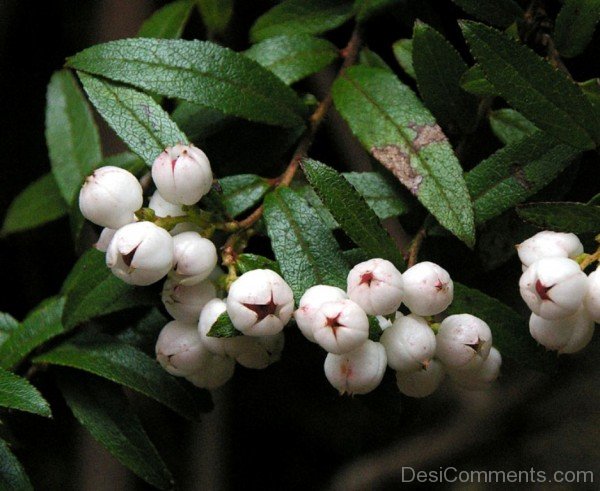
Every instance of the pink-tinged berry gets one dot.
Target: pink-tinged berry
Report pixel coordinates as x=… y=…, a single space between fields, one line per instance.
x=463 y=342
x=421 y=382
x=376 y=285
x=341 y=326
x=310 y=302
x=549 y=244
x=409 y=343
x=185 y=302
x=428 y=289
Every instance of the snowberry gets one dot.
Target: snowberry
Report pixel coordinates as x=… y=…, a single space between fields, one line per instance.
x=357 y=372
x=384 y=322
x=553 y=287
x=592 y=297
x=422 y=382
x=549 y=244
x=106 y=236
x=185 y=302
x=409 y=344
x=140 y=253
x=479 y=378
x=566 y=335
x=110 y=196
x=463 y=342
x=162 y=208
x=376 y=285
x=428 y=289
x=209 y=315
x=310 y=302
x=194 y=256
x=182 y=174
x=340 y=326
x=214 y=372
x=179 y=349
x=260 y=303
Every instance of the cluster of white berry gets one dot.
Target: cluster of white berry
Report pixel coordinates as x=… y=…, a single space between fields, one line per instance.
x=337 y=321
x=564 y=301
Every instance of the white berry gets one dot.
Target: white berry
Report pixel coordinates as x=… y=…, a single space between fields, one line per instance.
x=480 y=378
x=463 y=342
x=376 y=285
x=566 y=335
x=214 y=372
x=592 y=297
x=341 y=326
x=310 y=302
x=106 y=236
x=162 y=208
x=179 y=349
x=422 y=382
x=428 y=289
x=549 y=244
x=409 y=344
x=194 y=256
x=185 y=302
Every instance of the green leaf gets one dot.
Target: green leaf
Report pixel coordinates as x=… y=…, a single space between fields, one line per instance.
x=372 y=59
x=510 y=126
x=366 y=9
x=355 y=256
x=294 y=57
x=474 y=82
x=41 y=324
x=71 y=134
x=392 y=124
x=7 y=325
x=241 y=192
x=144 y=333
x=575 y=25
x=311 y=197
x=138 y=120
x=438 y=68
x=383 y=198
x=301 y=17
x=199 y=122
x=121 y=363
x=127 y=161
x=216 y=14
x=500 y=13
x=375 y=330
x=515 y=172
x=92 y=290
x=403 y=51
x=578 y=218
x=247 y=262
x=39 y=203
x=223 y=328
x=591 y=89
x=196 y=71
x=509 y=330
x=304 y=247
x=352 y=212
x=103 y=409
x=12 y=475
x=533 y=87
x=17 y=393
x=167 y=22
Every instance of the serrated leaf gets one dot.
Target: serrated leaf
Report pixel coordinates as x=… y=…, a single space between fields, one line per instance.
x=515 y=172
x=383 y=198
x=370 y=58
x=41 y=324
x=403 y=51
x=17 y=393
x=304 y=247
x=575 y=25
x=223 y=328
x=138 y=120
x=92 y=290
x=311 y=197
x=366 y=9
x=103 y=409
x=167 y=22
x=123 y=364
x=392 y=124
x=293 y=57
x=438 y=68
x=500 y=13
x=351 y=211
x=510 y=331
x=71 y=134
x=578 y=218
x=39 y=203
x=241 y=192
x=474 y=82
x=301 y=17
x=533 y=87
x=510 y=126
x=196 y=71
x=247 y=262
x=12 y=474
x=216 y=14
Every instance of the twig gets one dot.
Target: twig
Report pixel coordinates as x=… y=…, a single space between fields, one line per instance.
x=415 y=246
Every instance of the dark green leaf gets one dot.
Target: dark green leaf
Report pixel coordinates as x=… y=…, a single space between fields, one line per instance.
x=144 y=333
x=71 y=134
x=38 y=203
x=216 y=14
x=7 y=325
x=500 y=13
x=293 y=58
x=12 y=475
x=591 y=89
x=392 y=124
x=352 y=212
x=383 y=198
x=102 y=408
x=578 y=218
x=199 y=122
x=40 y=325
x=594 y=201
x=509 y=330
x=223 y=328
x=138 y=120
x=305 y=249
x=375 y=330
x=533 y=87
x=372 y=59
x=515 y=172
x=127 y=161
x=196 y=71
x=92 y=290
x=301 y=17
x=355 y=256
x=308 y=193
x=365 y=9
x=575 y=25
x=474 y=82
x=247 y=262
x=510 y=126
x=241 y=192
x=17 y=393
x=167 y=22
x=403 y=51
x=121 y=363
